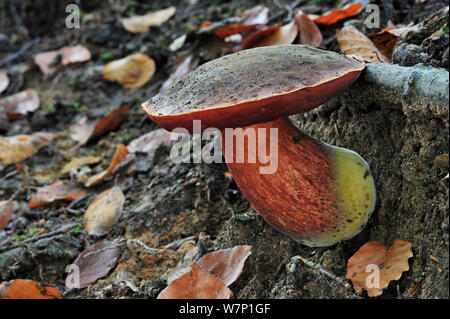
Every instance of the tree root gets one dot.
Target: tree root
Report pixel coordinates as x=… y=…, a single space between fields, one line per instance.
x=418 y=90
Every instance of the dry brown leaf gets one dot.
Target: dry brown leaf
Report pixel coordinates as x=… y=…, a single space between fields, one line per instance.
x=95 y=262
x=149 y=143
x=27 y=289
x=353 y=42
x=228 y=30
x=255 y=15
x=227 y=264
x=196 y=284
x=87 y=129
x=77 y=162
x=119 y=156
x=20 y=103
x=6 y=210
x=16 y=148
x=104 y=211
x=69 y=55
x=137 y=24
x=58 y=190
x=337 y=15
x=132 y=72
x=284 y=35
x=260 y=33
x=387 y=38
x=190 y=252
x=391 y=263
x=308 y=32
x=4 y=81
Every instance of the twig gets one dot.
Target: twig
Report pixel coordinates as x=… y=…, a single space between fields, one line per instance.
x=137 y=241
x=113 y=246
x=418 y=89
x=318 y=267
x=177 y=243
x=46 y=235
x=22 y=50
x=8 y=175
x=69 y=207
x=15 y=195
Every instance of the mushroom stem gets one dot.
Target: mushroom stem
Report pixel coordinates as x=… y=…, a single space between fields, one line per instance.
x=319 y=195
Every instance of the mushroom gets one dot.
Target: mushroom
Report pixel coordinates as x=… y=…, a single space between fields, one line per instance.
x=320 y=194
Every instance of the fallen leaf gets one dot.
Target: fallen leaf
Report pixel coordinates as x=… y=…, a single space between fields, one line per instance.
x=255 y=15
x=119 y=156
x=132 y=72
x=58 y=190
x=337 y=15
x=196 y=284
x=68 y=55
x=104 y=211
x=353 y=42
x=149 y=143
x=308 y=32
x=138 y=24
x=391 y=264
x=187 y=65
x=77 y=162
x=27 y=289
x=4 y=81
x=185 y=265
x=20 y=103
x=227 y=264
x=284 y=35
x=16 y=148
x=6 y=210
x=87 y=129
x=178 y=43
x=95 y=262
x=229 y=30
x=387 y=38
x=260 y=34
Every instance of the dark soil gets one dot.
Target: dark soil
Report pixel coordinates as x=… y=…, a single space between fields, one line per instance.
x=171 y=201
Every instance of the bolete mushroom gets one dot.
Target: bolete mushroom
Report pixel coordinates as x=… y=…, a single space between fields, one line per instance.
x=320 y=194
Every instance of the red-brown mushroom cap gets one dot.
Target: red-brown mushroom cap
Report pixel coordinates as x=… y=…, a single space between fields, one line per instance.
x=254 y=86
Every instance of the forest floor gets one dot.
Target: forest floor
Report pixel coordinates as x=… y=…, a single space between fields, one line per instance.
x=200 y=203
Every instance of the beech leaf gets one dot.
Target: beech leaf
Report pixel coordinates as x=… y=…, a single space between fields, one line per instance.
x=119 y=156
x=308 y=31
x=27 y=289
x=6 y=210
x=16 y=148
x=95 y=262
x=387 y=38
x=20 y=103
x=87 y=129
x=390 y=262
x=132 y=71
x=337 y=15
x=58 y=190
x=138 y=24
x=104 y=211
x=69 y=55
x=226 y=264
x=284 y=35
x=196 y=284
x=353 y=42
